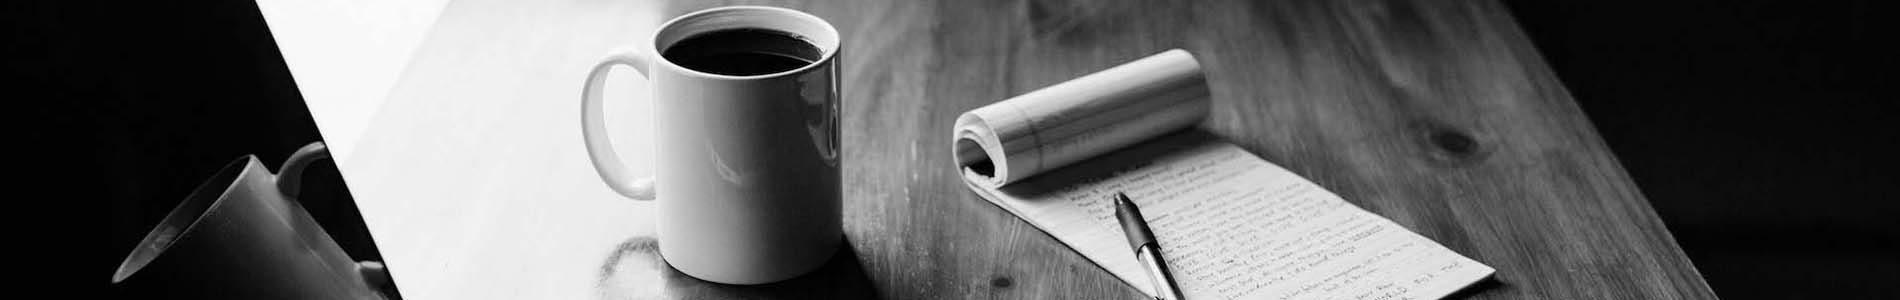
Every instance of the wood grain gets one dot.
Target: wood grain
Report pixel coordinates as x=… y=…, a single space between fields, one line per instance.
x=1436 y=114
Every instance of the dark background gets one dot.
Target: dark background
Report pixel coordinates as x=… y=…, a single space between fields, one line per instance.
x=134 y=104
x=1753 y=127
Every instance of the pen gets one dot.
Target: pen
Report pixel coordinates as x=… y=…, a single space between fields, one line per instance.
x=1146 y=249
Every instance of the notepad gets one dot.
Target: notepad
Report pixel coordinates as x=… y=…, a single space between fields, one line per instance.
x=1230 y=224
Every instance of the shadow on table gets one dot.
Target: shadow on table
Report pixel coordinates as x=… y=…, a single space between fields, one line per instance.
x=1482 y=287
x=636 y=271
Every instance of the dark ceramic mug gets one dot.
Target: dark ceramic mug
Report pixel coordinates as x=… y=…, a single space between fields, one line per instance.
x=241 y=235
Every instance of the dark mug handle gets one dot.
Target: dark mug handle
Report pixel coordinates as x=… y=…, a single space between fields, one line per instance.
x=289 y=182
x=289 y=177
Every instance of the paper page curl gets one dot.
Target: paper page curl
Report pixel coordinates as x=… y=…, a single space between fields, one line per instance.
x=1072 y=121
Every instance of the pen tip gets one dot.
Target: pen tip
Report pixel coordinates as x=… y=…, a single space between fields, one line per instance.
x=1123 y=205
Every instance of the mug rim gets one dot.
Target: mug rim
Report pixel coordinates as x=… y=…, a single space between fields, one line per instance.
x=197 y=205
x=830 y=50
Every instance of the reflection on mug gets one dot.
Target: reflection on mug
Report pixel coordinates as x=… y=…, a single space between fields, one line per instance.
x=821 y=111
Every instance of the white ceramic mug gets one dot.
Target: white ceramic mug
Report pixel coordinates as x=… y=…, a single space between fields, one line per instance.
x=748 y=166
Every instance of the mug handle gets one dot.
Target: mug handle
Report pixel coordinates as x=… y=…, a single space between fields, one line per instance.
x=290 y=182
x=290 y=177
x=600 y=150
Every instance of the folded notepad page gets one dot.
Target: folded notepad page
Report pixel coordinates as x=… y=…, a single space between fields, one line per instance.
x=1231 y=225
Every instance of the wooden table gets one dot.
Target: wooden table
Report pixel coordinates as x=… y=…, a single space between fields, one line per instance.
x=1436 y=114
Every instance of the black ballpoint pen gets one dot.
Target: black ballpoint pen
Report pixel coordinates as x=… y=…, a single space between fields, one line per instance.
x=1146 y=248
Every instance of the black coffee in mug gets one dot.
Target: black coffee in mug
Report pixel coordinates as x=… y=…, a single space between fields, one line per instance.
x=746 y=173
x=743 y=52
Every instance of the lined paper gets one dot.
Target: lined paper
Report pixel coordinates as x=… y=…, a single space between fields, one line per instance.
x=1232 y=225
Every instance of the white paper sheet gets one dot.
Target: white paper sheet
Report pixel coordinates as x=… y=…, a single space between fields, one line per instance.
x=1230 y=224
x=1234 y=226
